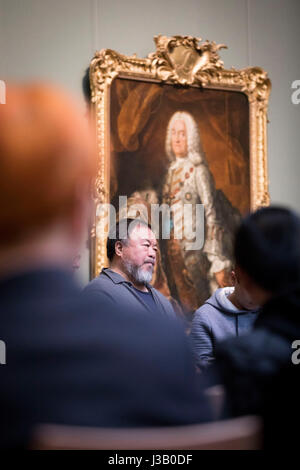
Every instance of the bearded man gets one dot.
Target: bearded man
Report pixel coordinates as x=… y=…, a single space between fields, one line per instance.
x=132 y=251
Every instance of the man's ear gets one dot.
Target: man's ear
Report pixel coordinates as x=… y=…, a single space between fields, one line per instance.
x=118 y=248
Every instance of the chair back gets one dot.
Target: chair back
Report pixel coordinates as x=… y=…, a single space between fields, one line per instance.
x=243 y=433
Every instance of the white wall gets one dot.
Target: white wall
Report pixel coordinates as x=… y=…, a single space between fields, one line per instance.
x=55 y=39
x=274 y=39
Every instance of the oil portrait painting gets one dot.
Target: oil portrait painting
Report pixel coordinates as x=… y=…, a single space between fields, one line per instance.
x=178 y=138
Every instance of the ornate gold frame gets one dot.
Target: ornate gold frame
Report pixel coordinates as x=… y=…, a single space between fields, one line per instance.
x=179 y=60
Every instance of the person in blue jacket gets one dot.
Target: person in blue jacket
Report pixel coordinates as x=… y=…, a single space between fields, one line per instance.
x=230 y=311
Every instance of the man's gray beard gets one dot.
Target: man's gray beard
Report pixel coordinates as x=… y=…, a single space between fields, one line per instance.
x=139 y=275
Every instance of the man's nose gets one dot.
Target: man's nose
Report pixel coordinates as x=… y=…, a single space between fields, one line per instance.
x=152 y=252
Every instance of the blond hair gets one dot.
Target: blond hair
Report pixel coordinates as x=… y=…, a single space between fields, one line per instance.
x=46 y=157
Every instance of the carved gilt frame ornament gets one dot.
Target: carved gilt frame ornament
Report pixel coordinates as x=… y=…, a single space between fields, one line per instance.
x=182 y=61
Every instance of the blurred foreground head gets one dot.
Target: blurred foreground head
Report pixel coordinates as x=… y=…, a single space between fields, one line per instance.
x=267 y=252
x=46 y=165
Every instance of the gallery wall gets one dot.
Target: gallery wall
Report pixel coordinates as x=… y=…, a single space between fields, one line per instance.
x=56 y=39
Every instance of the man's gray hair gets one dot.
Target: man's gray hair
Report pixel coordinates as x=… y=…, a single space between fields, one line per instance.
x=195 y=151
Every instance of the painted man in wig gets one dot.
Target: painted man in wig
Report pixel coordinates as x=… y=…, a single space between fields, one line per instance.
x=196 y=272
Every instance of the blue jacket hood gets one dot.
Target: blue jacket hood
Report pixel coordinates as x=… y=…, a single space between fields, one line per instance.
x=220 y=301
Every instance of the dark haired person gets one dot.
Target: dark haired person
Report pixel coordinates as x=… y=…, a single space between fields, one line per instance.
x=131 y=251
x=267 y=252
x=229 y=312
x=67 y=360
x=86 y=86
